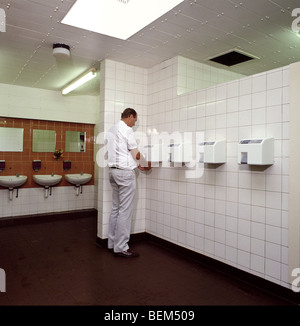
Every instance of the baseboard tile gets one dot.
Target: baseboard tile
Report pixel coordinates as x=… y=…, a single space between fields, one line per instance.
x=47 y=217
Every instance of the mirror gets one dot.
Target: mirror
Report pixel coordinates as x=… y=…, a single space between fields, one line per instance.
x=43 y=140
x=11 y=139
x=75 y=141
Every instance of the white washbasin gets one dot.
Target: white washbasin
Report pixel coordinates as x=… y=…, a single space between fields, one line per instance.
x=78 y=179
x=47 y=180
x=12 y=181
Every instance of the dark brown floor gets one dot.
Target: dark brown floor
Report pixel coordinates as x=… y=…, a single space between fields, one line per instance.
x=58 y=263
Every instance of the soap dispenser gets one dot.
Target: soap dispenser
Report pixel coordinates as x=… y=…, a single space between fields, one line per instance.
x=36 y=165
x=66 y=165
x=2 y=165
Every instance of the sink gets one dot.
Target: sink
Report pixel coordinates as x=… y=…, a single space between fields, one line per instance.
x=47 y=180
x=12 y=181
x=78 y=179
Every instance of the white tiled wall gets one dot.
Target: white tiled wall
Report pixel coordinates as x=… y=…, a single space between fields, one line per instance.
x=233 y=213
x=194 y=75
x=32 y=201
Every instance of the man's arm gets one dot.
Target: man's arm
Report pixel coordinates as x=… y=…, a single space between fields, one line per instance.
x=144 y=165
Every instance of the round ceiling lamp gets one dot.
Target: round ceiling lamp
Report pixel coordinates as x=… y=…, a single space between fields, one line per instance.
x=61 y=51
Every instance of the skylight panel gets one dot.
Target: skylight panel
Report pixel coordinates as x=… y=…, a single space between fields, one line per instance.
x=117 y=18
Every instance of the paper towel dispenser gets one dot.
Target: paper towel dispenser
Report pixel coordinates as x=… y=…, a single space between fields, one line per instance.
x=213 y=152
x=256 y=151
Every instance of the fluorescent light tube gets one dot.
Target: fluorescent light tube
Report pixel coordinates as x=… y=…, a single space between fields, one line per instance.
x=117 y=18
x=79 y=81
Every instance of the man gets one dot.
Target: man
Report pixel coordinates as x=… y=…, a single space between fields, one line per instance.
x=123 y=159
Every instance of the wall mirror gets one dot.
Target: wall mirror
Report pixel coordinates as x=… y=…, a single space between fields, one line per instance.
x=43 y=140
x=11 y=139
x=75 y=141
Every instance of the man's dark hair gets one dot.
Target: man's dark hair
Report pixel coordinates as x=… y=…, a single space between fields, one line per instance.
x=128 y=112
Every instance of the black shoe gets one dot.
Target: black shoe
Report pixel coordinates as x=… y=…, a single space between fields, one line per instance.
x=110 y=249
x=127 y=254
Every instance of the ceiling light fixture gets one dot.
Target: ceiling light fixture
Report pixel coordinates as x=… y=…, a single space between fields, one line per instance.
x=90 y=74
x=117 y=18
x=61 y=51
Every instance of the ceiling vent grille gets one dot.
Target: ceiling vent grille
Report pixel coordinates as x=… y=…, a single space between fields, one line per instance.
x=232 y=58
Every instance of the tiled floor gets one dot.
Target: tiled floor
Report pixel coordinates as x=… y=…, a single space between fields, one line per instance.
x=58 y=263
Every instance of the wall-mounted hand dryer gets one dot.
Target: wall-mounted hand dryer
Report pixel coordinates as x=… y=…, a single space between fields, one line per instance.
x=213 y=152
x=180 y=152
x=153 y=152
x=256 y=151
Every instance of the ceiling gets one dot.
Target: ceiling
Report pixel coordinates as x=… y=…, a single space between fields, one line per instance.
x=196 y=29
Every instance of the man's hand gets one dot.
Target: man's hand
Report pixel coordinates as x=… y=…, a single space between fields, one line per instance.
x=145 y=168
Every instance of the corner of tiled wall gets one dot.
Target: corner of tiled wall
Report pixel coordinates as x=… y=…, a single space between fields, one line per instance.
x=123 y=86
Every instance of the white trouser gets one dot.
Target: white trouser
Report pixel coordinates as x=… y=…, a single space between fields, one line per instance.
x=123 y=183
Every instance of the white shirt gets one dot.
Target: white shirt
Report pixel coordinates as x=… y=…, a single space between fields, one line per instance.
x=120 y=140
